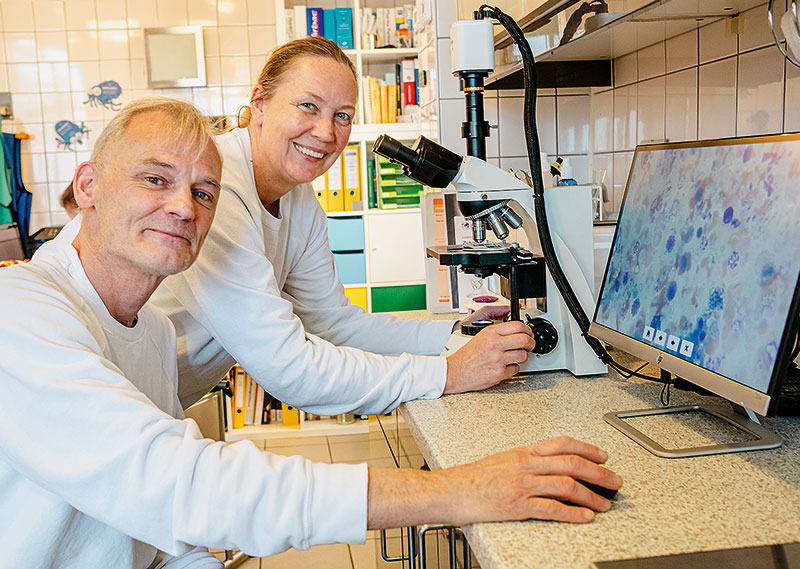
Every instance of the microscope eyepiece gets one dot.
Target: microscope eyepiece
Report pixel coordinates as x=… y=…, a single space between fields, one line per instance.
x=425 y=161
x=394 y=150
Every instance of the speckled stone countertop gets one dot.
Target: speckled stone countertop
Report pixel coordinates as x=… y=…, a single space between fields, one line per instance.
x=666 y=506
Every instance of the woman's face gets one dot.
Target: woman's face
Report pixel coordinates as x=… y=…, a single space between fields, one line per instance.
x=299 y=132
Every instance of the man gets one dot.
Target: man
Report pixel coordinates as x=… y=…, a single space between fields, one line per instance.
x=97 y=467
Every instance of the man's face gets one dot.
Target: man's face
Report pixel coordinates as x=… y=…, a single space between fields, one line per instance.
x=153 y=198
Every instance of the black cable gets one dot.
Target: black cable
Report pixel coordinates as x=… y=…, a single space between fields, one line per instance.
x=534 y=151
x=542 y=225
x=628 y=375
x=665 y=393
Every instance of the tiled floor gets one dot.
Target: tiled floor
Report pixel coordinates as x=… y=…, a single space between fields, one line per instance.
x=371 y=448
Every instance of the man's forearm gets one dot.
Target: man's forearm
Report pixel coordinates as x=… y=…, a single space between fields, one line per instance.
x=538 y=481
x=406 y=497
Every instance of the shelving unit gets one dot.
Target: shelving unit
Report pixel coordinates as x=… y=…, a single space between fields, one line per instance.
x=321 y=428
x=645 y=23
x=394 y=258
x=393 y=251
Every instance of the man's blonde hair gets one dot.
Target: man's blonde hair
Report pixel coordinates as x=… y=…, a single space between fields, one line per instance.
x=190 y=128
x=281 y=59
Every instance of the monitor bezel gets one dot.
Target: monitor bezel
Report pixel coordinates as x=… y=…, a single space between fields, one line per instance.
x=762 y=403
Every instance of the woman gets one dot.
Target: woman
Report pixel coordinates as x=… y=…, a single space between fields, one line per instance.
x=264 y=291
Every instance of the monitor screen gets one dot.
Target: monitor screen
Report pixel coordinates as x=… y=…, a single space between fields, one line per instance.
x=703 y=272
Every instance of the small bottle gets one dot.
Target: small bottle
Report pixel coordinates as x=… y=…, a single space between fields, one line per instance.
x=555 y=170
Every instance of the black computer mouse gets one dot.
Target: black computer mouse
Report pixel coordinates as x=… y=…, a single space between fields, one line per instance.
x=606 y=493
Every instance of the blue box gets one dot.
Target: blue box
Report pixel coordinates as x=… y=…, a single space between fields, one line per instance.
x=352 y=267
x=346 y=233
x=344 y=28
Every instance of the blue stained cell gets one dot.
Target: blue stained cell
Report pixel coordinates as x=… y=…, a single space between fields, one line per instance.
x=698 y=195
x=733 y=260
x=625 y=278
x=655 y=322
x=670 y=243
x=635 y=307
x=700 y=323
x=672 y=288
x=728 y=215
x=683 y=263
x=699 y=231
x=715 y=300
x=767 y=273
x=735 y=223
x=688 y=235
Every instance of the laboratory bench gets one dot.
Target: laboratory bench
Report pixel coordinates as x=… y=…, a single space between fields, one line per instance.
x=666 y=506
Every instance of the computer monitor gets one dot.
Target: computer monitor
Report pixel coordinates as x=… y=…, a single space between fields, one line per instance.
x=702 y=279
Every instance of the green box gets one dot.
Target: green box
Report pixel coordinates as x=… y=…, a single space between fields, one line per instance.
x=394 y=298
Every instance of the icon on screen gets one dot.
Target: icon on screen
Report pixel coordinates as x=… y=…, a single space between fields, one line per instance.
x=649 y=333
x=687 y=348
x=673 y=342
x=661 y=338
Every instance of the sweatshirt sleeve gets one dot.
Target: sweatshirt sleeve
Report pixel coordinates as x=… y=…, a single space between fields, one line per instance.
x=317 y=294
x=73 y=425
x=232 y=292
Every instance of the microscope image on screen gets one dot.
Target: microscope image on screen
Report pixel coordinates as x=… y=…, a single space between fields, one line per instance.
x=705 y=261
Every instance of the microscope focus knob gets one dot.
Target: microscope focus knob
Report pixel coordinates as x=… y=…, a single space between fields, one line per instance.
x=545 y=335
x=472 y=328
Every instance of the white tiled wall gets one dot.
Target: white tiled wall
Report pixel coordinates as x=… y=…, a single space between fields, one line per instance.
x=699 y=85
x=52 y=52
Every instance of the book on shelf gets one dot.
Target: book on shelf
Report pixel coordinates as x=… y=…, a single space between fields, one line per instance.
x=393 y=97
x=351 y=158
x=336 y=24
x=390 y=26
x=238 y=403
x=335 y=187
x=314 y=22
x=329 y=23
x=300 y=19
x=291 y=416
x=340 y=186
x=408 y=81
x=291 y=30
x=250 y=400
x=344 y=27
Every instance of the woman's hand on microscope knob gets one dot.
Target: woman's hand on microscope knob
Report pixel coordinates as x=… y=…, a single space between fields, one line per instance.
x=494 y=354
x=493 y=312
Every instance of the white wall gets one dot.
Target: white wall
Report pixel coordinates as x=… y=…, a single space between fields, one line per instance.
x=703 y=84
x=53 y=51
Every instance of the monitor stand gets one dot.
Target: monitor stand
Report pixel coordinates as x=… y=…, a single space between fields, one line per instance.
x=741 y=419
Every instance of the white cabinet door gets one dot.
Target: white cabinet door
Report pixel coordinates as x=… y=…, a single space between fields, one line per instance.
x=396 y=252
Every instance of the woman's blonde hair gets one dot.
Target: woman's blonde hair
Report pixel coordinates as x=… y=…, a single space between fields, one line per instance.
x=281 y=59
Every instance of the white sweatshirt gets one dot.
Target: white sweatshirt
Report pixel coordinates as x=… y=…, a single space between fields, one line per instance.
x=97 y=465
x=264 y=293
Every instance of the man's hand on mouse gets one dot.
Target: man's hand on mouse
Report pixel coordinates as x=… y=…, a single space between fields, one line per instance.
x=539 y=481
x=534 y=482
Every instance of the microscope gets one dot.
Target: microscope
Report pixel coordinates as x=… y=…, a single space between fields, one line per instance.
x=494 y=199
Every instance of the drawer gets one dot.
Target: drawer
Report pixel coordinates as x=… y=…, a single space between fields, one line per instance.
x=352 y=267
x=357 y=296
x=346 y=233
x=394 y=298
